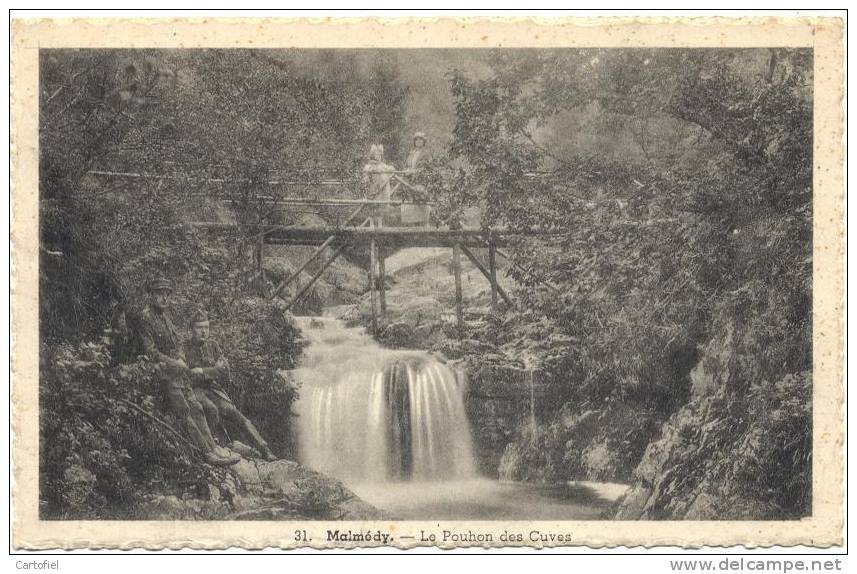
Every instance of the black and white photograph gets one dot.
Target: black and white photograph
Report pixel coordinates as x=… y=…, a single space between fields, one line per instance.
x=426 y=284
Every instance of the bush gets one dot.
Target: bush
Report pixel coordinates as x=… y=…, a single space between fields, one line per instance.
x=260 y=358
x=100 y=451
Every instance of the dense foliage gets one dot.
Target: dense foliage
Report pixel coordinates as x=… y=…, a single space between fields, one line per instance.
x=677 y=185
x=102 y=448
x=134 y=145
x=680 y=182
x=237 y=125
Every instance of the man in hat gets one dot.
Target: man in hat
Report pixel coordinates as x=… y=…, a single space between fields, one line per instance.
x=209 y=370
x=161 y=342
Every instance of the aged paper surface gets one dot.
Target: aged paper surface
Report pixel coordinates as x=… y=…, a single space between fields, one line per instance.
x=824 y=36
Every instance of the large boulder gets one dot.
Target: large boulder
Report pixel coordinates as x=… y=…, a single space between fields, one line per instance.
x=283 y=488
x=263 y=490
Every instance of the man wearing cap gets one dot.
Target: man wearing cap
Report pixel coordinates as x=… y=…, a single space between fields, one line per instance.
x=209 y=369
x=161 y=342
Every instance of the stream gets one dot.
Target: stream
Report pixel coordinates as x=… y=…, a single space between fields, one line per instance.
x=391 y=424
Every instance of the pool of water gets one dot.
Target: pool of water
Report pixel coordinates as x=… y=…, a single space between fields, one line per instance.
x=483 y=499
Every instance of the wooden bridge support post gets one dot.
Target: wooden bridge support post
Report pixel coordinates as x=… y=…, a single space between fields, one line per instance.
x=317 y=253
x=372 y=256
x=260 y=261
x=492 y=269
x=494 y=285
x=301 y=291
x=456 y=269
x=295 y=275
x=382 y=280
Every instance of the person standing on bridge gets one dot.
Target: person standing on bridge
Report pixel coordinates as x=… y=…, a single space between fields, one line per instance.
x=416 y=214
x=419 y=155
x=209 y=369
x=377 y=175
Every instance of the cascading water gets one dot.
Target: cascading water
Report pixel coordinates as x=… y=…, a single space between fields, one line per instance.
x=367 y=413
x=392 y=426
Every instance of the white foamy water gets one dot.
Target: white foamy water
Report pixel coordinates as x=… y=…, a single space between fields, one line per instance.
x=367 y=413
x=392 y=425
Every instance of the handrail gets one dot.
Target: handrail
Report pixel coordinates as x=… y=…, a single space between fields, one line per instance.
x=330 y=201
x=136 y=175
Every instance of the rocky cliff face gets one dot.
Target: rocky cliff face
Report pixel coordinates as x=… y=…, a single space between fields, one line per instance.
x=498 y=403
x=735 y=451
x=261 y=490
x=716 y=460
x=599 y=443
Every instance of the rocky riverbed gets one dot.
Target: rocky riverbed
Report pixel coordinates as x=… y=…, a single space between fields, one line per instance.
x=261 y=490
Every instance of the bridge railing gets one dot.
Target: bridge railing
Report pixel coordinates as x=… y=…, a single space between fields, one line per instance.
x=397 y=209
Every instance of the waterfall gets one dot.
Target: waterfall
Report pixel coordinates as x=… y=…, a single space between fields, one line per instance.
x=367 y=413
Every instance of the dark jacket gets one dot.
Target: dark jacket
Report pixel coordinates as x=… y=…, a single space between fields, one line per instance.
x=207 y=356
x=159 y=338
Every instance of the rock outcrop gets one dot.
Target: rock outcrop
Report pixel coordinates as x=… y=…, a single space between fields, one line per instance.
x=498 y=403
x=729 y=455
x=261 y=490
x=597 y=444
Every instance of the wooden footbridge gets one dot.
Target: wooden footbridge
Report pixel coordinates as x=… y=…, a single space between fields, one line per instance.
x=377 y=232
x=333 y=241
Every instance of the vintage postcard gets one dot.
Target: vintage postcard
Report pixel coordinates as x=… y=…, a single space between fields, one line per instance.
x=427 y=282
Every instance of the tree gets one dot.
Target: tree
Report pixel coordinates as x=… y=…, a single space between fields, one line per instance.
x=688 y=217
x=134 y=145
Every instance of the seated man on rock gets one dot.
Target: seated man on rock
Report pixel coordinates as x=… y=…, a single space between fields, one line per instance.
x=161 y=342
x=209 y=369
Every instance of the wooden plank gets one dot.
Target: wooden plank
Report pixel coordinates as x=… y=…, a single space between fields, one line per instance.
x=456 y=269
x=302 y=242
x=388 y=236
x=339 y=251
x=487 y=275
x=384 y=235
x=380 y=233
x=372 y=284
x=330 y=202
x=325 y=231
x=382 y=291
x=389 y=243
x=492 y=270
x=216 y=180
